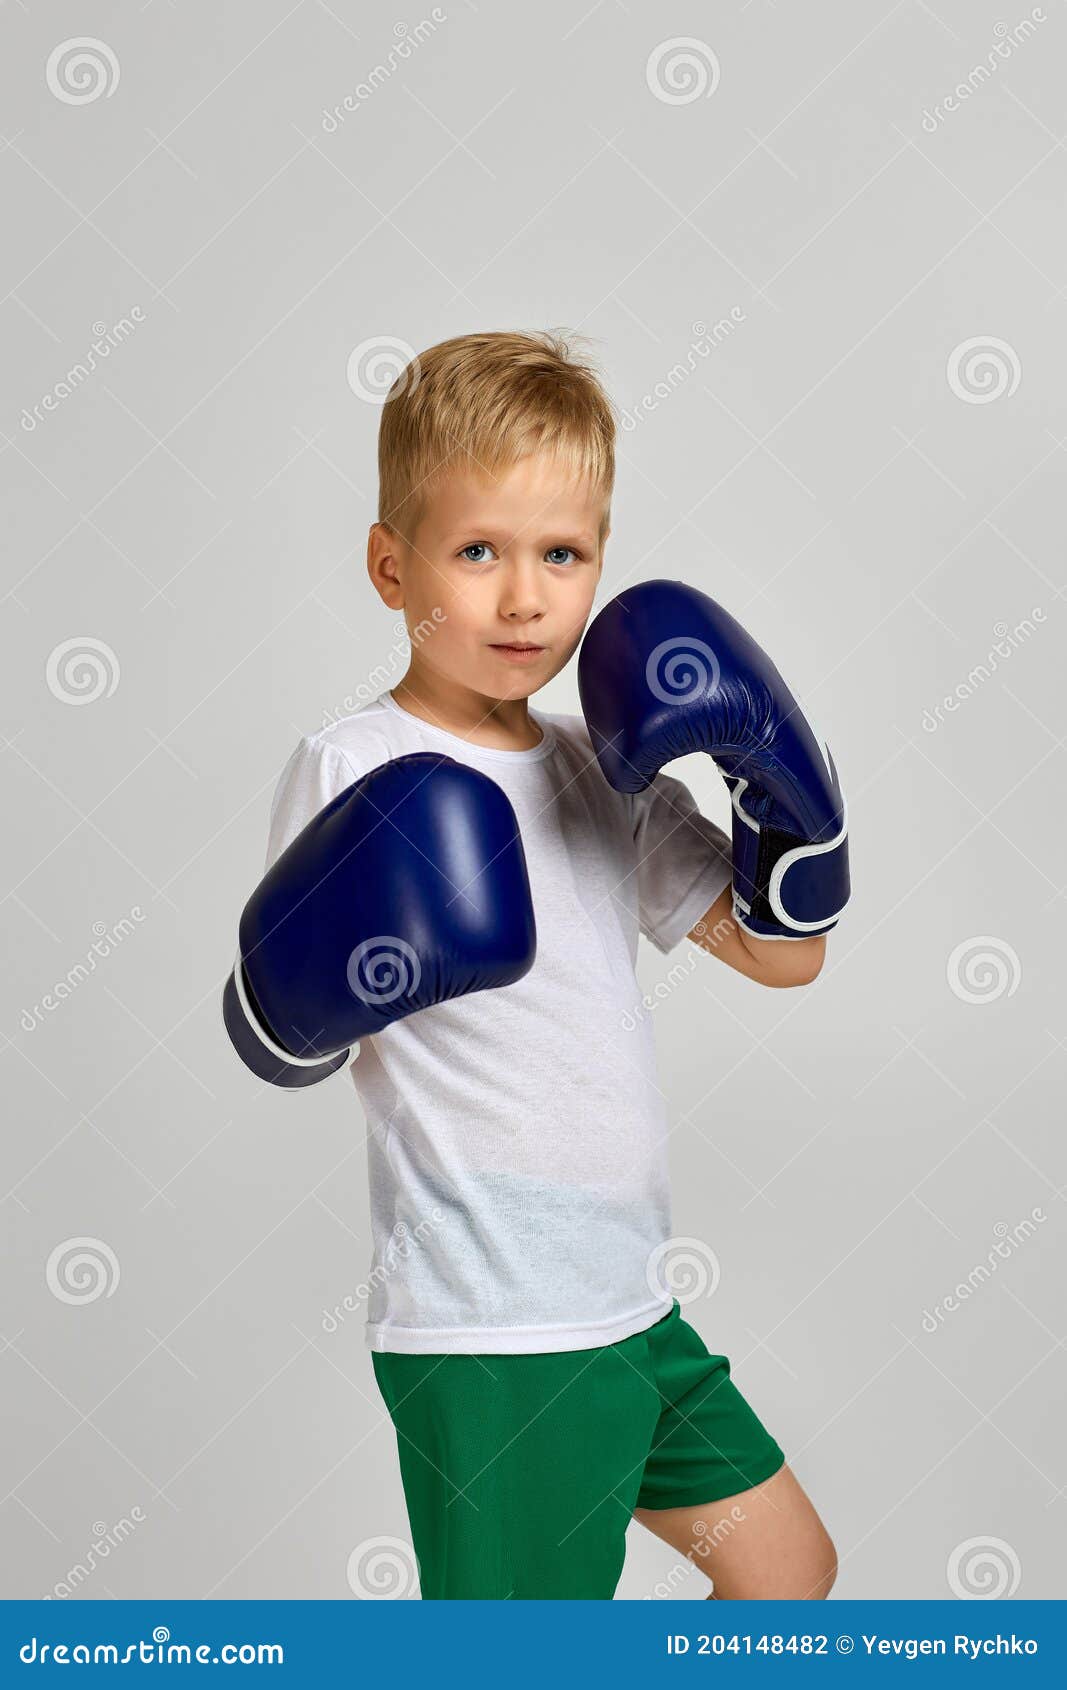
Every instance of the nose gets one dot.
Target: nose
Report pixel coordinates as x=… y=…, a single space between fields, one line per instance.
x=522 y=593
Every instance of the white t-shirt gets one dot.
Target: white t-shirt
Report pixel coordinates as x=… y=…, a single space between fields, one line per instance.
x=517 y=1137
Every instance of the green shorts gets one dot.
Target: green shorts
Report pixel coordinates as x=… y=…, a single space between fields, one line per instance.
x=521 y=1472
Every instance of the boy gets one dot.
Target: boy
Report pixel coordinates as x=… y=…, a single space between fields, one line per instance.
x=543 y=1386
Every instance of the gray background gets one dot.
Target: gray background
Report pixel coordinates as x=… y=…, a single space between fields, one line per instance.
x=877 y=506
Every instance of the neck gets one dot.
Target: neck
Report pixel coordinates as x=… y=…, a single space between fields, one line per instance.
x=501 y=724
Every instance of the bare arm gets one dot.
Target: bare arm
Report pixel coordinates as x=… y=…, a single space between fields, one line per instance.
x=770 y=962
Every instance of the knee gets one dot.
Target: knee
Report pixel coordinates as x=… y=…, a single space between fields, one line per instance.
x=823 y=1571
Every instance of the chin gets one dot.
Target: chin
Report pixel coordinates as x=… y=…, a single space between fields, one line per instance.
x=521 y=687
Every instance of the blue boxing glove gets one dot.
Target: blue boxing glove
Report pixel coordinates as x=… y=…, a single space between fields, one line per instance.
x=408 y=888
x=665 y=671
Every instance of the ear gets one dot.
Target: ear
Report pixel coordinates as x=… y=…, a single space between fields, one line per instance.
x=381 y=565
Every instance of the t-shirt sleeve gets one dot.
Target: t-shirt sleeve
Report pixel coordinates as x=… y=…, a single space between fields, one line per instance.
x=683 y=861
x=315 y=773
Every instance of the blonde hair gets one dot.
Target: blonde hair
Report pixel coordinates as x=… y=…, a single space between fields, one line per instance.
x=480 y=403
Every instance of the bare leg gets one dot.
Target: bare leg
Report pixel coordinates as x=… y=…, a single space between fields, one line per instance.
x=764 y=1544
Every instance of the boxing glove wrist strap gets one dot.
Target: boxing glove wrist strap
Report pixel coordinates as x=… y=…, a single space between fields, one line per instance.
x=257 y=1027
x=786 y=887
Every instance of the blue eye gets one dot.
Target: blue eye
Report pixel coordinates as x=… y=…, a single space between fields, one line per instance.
x=556 y=554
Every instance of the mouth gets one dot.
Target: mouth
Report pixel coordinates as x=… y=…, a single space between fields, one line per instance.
x=519 y=649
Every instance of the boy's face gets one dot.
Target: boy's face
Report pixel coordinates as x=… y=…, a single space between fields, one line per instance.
x=499 y=578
